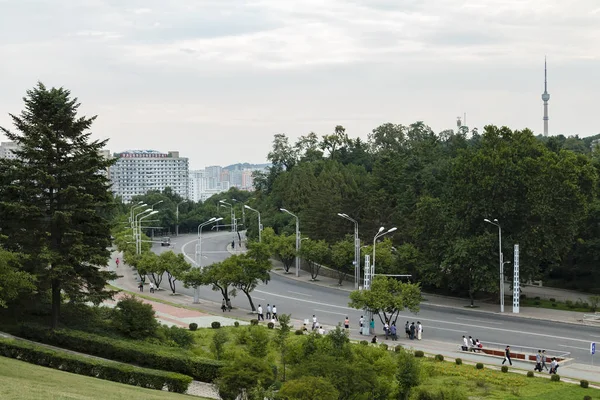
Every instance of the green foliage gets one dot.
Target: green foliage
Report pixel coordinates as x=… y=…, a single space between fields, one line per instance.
x=480 y=366
x=594 y=302
x=236 y=324
x=134 y=318
x=439 y=357
x=282 y=247
x=419 y=353
x=270 y=325
x=193 y=326
x=458 y=361
x=315 y=253
x=408 y=373
x=215 y=324
x=13 y=281
x=178 y=336
x=175 y=266
x=584 y=384
x=504 y=368
x=586 y=397
x=254 y=322
x=102 y=369
x=530 y=374
x=555 y=378
x=142 y=354
x=308 y=388
x=342 y=257
x=243 y=374
x=259 y=342
x=439 y=394
x=298 y=332
x=218 y=343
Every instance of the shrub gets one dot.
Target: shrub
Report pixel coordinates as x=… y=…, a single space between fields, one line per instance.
x=134 y=318
x=537 y=298
x=103 y=369
x=215 y=324
x=298 y=332
x=584 y=384
x=253 y=322
x=537 y=302
x=554 y=304
x=479 y=365
x=270 y=325
x=218 y=343
x=530 y=374
x=384 y=346
x=236 y=324
x=258 y=345
x=570 y=304
x=398 y=348
x=193 y=326
x=594 y=302
x=458 y=361
x=553 y=300
x=439 y=357
x=555 y=378
x=364 y=342
x=504 y=368
x=177 y=336
x=142 y=354
x=587 y=397
x=419 y=353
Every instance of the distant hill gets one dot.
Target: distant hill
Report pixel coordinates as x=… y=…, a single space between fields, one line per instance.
x=246 y=166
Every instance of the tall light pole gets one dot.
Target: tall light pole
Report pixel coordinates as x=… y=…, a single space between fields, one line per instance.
x=496 y=223
x=259 y=224
x=152 y=207
x=199 y=253
x=177 y=217
x=131 y=210
x=297 y=240
x=132 y=219
x=243 y=211
x=139 y=249
x=379 y=234
x=135 y=226
x=233 y=228
x=356 y=250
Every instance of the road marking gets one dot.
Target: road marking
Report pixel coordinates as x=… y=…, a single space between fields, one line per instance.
x=573 y=347
x=479 y=320
x=258 y=298
x=329 y=312
x=301 y=294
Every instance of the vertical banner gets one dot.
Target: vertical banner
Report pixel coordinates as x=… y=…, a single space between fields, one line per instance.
x=516 y=282
x=367 y=272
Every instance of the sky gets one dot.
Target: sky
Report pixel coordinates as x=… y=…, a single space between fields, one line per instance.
x=216 y=79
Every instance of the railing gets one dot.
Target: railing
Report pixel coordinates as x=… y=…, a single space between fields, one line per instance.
x=592 y=319
x=519 y=352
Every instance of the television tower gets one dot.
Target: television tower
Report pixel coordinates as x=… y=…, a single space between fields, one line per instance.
x=545 y=98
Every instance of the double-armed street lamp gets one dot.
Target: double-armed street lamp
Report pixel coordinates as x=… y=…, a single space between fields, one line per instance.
x=135 y=224
x=259 y=224
x=233 y=227
x=132 y=217
x=379 y=234
x=496 y=223
x=297 y=240
x=148 y=213
x=199 y=252
x=177 y=216
x=356 y=250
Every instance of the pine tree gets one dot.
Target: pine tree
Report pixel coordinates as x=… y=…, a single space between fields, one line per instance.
x=55 y=199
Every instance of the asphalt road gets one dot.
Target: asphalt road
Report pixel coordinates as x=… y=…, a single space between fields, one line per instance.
x=330 y=305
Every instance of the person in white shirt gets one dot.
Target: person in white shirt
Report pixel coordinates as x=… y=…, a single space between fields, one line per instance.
x=260 y=313
x=268 y=311
x=419 y=330
x=314 y=326
x=386 y=329
x=465 y=345
x=321 y=330
x=151 y=287
x=275 y=313
x=362 y=323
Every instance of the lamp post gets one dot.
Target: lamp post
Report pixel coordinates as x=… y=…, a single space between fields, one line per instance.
x=177 y=217
x=259 y=224
x=135 y=227
x=132 y=218
x=131 y=210
x=233 y=228
x=152 y=207
x=379 y=234
x=496 y=223
x=297 y=240
x=243 y=211
x=139 y=249
x=199 y=253
x=356 y=250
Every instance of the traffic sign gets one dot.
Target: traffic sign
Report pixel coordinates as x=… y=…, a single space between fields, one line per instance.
x=593 y=348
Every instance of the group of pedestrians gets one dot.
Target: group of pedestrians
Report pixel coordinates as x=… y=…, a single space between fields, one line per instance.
x=471 y=344
x=271 y=313
x=413 y=331
x=540 y=363
x=226 y=305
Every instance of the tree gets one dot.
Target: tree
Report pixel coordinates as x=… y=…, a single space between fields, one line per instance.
x=252 y=268
x=315 y=253
x=281 y=338
x=56 y=199
x=218 y=342
x=221 y=276
x=13 y=281
x=258 y=345
x=408 y=373
x=134 y=318
x=242 y=375
x=342 y=257
x=174 y=265
x=150 y=264
x=308 y=388
x=283 y=247
x=387 y=297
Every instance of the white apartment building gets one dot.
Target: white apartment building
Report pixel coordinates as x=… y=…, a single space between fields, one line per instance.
x=6 y=150
x=137 y=171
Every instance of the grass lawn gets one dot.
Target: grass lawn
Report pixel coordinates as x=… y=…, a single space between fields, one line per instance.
x=580 y=306
x=495 y=385
x=24 y=381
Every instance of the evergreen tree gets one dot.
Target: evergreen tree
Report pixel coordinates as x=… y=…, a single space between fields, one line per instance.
x=55 y=199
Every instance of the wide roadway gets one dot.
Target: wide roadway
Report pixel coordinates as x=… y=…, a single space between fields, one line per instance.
x=330 y=305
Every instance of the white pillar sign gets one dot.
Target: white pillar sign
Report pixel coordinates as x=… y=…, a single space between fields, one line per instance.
x=516 y=282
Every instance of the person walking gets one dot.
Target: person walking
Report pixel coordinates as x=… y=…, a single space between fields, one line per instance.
x=314 y=325
x=268 y=311
x=347 y=323
x=386 y=328
x=361 y=321
x=553 y=366
x=407 y=329
x=372 y=325
x=228 y=302
x=223 y=306
x=141 y=286
x=117 y=262
x=260 y=313
x=507 y=355
x=274 y=316
x=544 y=360
x=151 y=287
x=465 y=346
x=419 y=330
x=393 y=331
x=538 y=361
x=413 y=328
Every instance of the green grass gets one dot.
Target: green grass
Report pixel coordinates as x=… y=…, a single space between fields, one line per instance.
x=24 y=381
x=495 y=385
x=554 y=305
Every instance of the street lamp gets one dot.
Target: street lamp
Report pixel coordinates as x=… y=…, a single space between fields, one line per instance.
x=135 y=225
x=177 y=216
x=496 y=223
x=158 y=202
x=243 y=211
x=259 y=224
x=139 y=249
x=356 y=250
x=199 y=253
x=131 y=210
x=297 y=240
x=379 y=234
x=132 y=217
x=233 y=227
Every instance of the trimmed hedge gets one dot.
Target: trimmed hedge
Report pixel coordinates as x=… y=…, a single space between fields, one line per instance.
x=215 y=324
x=193 y=326
x=142 y=354
x=458 y=361
x=479 y=365
x=530 y=374
x=555 y=378
x=584 y=384
x=439 y=357
x=102 y=369
x=504 y=369
x=419 y=353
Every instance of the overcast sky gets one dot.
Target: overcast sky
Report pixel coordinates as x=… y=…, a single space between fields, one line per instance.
x=216 y=79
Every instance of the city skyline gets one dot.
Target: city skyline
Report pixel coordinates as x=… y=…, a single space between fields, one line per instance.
x=217 y=79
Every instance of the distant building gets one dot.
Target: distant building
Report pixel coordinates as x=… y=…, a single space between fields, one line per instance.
x=7 y=150
x=137 y=171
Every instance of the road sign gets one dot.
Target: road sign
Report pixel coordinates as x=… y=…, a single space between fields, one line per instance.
x=593 y=348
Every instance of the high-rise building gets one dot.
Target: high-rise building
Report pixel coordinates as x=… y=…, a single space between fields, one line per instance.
x=137 y=171
x=213 y=174
x=545 y=98
x=7 y=150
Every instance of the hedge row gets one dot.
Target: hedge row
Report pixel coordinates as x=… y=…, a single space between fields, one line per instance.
x=142 y=354
x=109 y=370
